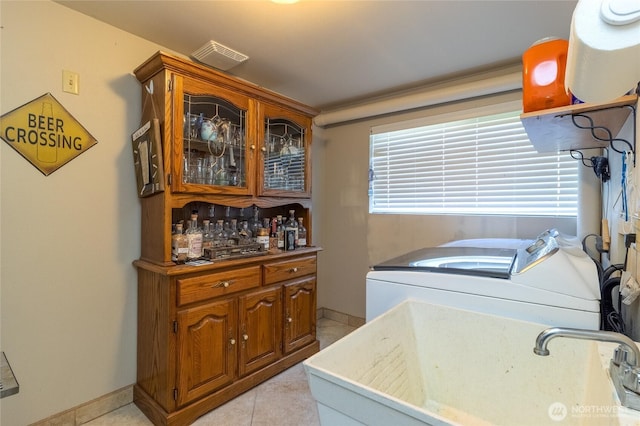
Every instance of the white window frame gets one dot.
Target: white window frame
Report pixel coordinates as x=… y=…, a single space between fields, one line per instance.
x=529 y=184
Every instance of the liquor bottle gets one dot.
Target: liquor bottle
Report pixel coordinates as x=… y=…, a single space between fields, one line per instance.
x=302 y=234
x=207 y=237
x=194 y=238
x=232 y=233
x=244 y=233
x=219 y=234
x=263 y=238
x=227 y=217
x=280 y=231
x=273 y=235
x=291 y=232
x=254 y=222
x=179 y=245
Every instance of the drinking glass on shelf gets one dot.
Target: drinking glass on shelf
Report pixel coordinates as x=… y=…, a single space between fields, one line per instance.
x=222 y=177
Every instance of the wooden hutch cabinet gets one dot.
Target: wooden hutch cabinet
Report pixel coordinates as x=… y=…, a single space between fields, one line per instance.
x=209 y=332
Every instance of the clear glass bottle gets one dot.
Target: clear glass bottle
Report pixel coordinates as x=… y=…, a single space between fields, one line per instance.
x=179 y=245
x=194 y=238
x=244 y=234
x=219 y=234
x=232 y=233
x=227 y=217
x=207 y=237
x=291 y=232
x=302 y=233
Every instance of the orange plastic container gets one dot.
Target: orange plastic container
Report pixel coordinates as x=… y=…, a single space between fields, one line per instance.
x=543 y=67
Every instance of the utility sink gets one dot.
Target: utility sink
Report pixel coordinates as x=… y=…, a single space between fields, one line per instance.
x=421 y=363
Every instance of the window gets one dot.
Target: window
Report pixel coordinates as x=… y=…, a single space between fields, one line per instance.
x=479 y=165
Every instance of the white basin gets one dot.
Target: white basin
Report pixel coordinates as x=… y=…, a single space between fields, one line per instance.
x=421 y=363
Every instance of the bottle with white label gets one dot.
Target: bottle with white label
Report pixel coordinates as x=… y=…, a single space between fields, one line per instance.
x=280 y=232
x=179 y=245
x=194 y=238
x=302 y=234
x=263 y=238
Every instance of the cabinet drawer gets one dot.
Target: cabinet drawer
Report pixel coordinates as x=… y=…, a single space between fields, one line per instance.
x=288 y=269
x=204 y=287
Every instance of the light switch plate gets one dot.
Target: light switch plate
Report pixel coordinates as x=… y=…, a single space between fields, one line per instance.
x=70 y=82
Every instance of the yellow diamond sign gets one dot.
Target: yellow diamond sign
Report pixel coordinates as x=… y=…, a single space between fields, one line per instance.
x=44 y=133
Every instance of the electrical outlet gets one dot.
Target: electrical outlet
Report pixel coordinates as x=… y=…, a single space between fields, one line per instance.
x=70 y=82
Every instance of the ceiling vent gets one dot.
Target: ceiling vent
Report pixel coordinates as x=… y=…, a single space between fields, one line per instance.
x=219 y=56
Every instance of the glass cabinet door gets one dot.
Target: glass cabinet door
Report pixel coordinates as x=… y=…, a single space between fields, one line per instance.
x=214 y=143
x=285 y=156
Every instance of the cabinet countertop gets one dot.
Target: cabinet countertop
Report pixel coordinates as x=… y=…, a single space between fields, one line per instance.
x=174 y=270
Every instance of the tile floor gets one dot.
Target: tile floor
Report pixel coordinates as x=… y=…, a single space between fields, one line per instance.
x=284 y=400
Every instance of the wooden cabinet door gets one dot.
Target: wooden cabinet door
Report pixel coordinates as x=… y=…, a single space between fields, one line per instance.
x=207 y=345
x=284 y=166
x=260 y=329
x=300 y=313
x=213 y=135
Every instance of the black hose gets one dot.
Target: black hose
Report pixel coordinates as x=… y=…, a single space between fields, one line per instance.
x=606 y=274
x=610 y=318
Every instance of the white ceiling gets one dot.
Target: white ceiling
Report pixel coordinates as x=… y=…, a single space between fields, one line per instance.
x=333 y=53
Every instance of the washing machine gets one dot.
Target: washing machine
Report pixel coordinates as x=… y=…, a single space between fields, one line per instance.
x=548 y=279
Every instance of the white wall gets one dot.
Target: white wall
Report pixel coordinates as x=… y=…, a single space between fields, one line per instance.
x=68 y=305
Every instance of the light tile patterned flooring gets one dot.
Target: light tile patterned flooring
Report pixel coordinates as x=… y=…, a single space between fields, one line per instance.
x=284 y=400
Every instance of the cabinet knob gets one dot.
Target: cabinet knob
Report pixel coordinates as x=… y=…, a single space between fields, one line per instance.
x=253 y=147
x=263 y=149
x=292 y=270
x=232 y=341
x=289 y=319
x=245 y=337
x=224 y=284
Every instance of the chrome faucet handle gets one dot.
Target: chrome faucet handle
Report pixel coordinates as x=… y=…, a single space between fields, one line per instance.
x=631 y=378
x=621 y=356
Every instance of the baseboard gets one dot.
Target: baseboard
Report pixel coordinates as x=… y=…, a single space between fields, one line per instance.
x=91 y=410
x=346 y=319
x=100 y=406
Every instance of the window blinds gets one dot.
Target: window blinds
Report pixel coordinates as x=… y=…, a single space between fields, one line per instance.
x=480 y=165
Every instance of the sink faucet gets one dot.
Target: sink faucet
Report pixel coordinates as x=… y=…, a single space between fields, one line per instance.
x=576 y=333
x=624 y=367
